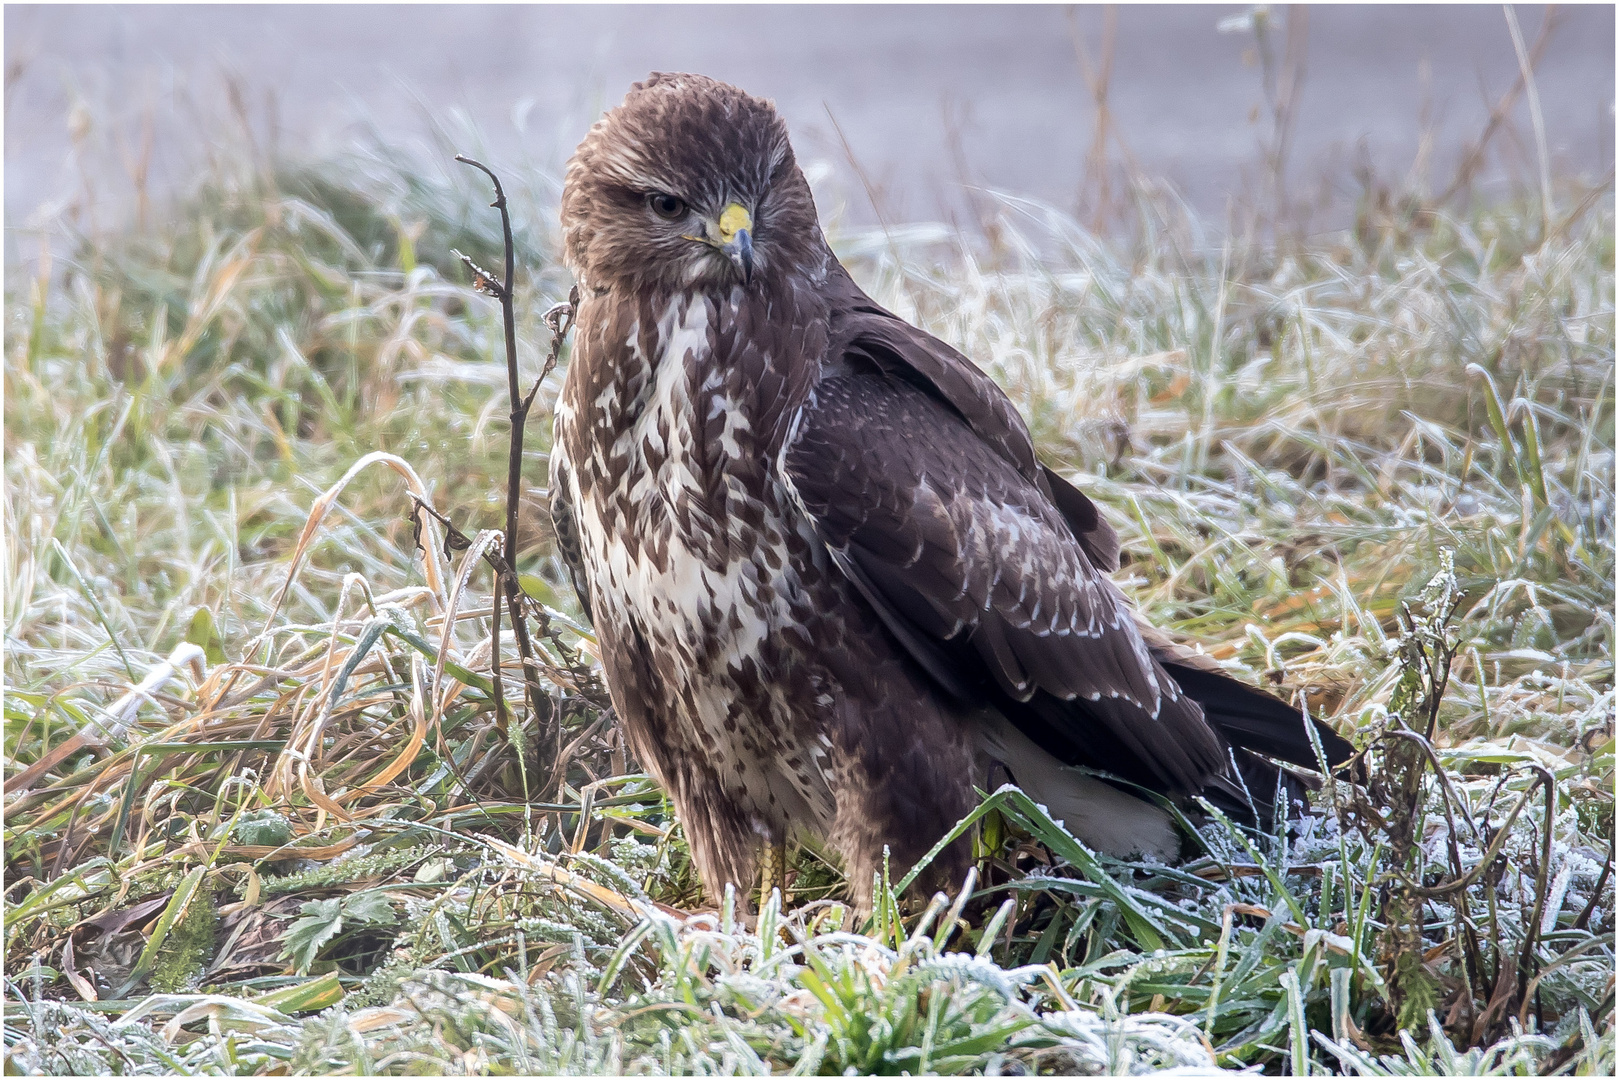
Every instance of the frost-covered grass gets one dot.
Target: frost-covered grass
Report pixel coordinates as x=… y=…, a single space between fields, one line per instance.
x=308 y=847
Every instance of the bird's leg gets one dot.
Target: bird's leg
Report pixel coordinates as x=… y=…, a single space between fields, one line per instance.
x=773 y=871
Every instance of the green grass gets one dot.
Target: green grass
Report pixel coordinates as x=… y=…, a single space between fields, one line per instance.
x=309 y=847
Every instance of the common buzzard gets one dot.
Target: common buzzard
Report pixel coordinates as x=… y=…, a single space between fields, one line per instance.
x=833 y=587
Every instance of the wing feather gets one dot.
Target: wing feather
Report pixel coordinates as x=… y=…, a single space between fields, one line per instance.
x=991 y=567
x=863 y=329
x=966 y=554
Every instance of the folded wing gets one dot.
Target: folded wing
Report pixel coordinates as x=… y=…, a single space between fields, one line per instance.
x=922 y=481
x=978 y=573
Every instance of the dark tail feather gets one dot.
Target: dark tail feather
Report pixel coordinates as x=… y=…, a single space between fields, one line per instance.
x=1254 y=720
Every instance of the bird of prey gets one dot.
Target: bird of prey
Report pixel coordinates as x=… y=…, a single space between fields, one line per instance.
x=833 y=587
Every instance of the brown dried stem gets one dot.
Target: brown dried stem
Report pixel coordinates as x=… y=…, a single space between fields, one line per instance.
x=1474 y=158
x=506 y=582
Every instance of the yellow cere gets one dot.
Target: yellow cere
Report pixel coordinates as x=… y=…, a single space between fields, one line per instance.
x=733 y=219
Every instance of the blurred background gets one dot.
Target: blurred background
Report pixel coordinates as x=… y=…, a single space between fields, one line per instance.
x=907 y=108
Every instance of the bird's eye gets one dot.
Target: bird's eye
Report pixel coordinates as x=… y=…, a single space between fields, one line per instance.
x=666 y=206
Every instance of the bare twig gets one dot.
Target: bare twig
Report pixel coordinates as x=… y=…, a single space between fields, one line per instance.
x=1097 y=79
x=1503 y=108
x=507 y=586
x=1282 y=88
x=1288 y=91
x=482 y=280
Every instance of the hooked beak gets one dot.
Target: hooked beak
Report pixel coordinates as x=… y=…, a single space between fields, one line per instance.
x=736 y=238
x=740 y=251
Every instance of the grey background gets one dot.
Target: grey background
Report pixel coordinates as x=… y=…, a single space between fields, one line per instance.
x=927 y=96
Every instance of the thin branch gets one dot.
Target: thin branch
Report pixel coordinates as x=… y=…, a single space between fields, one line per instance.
x=507 y=584
x=482 y=280
x=1498 y=115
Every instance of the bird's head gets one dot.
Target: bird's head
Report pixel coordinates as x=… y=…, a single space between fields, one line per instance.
x=690 y=183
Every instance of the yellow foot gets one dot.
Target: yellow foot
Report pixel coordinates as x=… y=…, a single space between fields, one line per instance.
x=772 y=872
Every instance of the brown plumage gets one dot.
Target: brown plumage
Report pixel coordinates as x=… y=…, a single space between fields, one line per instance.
x=833 y=586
